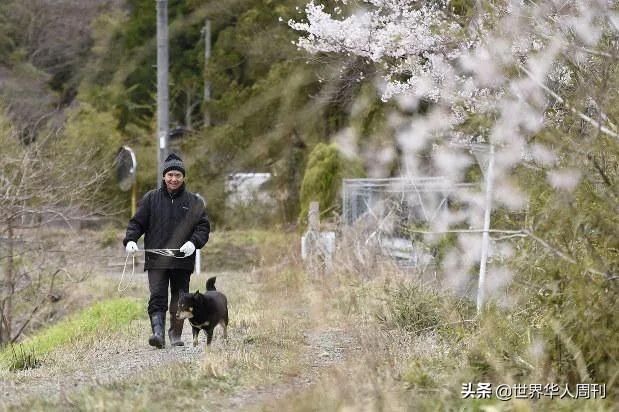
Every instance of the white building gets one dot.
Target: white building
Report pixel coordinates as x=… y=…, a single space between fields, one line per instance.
x=243 y=189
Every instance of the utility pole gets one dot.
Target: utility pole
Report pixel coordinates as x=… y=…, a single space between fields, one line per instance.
x=162 y=85
x=207 y=85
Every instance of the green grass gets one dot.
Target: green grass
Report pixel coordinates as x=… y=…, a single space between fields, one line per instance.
x=22 y=359
x=106 y=316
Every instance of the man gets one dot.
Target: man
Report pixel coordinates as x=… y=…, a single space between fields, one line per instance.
x=171 y=218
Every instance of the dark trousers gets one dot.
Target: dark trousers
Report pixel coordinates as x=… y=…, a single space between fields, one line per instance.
x=158 y=281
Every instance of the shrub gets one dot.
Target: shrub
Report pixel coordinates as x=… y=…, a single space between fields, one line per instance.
x=110 y=236
x=413 y=308
x=323 y=176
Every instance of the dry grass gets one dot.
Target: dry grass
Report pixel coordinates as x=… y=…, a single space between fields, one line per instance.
x=397 y=368
x=350 y=341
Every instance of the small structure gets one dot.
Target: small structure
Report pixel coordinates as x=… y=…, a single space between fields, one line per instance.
x=394 y=208
x=246 y=188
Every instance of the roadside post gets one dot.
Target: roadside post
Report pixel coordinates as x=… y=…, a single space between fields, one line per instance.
x=198 y=255
x=317 y=248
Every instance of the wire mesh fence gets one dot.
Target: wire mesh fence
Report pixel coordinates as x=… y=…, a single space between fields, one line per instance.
x=391 y=212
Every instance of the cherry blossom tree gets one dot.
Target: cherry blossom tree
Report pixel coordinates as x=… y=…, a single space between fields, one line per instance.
x=507 y=75
x=521 y=53
x=404 y=38
x=535 y=82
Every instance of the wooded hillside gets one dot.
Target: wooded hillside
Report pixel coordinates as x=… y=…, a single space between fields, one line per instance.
x=92 y=77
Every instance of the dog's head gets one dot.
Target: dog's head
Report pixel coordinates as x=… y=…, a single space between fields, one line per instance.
x=186 y=304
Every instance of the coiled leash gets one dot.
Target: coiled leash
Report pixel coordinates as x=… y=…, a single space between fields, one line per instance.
x=162 y=252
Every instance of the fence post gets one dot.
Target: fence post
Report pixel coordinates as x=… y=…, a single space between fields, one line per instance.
x=198 y=259
x=317 y=247
x=198 y=256
x=313 y=237
x=481 y=295
x=309 y=242
x=314 y=217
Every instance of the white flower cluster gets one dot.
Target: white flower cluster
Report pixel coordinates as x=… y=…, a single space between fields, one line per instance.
x=408 y=36
x=422 y=51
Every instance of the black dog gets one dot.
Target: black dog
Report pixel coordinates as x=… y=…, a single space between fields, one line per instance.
x=204 y=311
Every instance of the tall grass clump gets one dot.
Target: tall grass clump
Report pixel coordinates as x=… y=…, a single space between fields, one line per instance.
x=21 y=359
x=414 y=307
x=103 y=317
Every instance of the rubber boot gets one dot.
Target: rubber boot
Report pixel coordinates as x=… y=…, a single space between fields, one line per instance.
x=176 y=330
x=157 y=324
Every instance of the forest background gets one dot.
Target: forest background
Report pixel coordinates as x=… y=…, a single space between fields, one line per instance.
x=86 y=69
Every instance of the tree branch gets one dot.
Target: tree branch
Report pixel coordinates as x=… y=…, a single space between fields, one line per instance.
x=564 y=256
x=558 y=98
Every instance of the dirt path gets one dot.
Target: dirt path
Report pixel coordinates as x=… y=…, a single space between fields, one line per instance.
x=126 y=357
x=100 y=363
x=109 y=362
x=323 y=349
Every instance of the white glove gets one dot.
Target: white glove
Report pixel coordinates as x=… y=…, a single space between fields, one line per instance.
x=131 y=248
x=188 y=248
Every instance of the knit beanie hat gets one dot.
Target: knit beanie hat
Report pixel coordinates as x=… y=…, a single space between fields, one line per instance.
x=173 y=162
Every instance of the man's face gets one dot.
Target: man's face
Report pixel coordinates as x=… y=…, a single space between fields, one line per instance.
x=173 y=179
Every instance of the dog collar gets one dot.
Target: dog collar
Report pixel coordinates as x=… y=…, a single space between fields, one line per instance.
x=201 y=325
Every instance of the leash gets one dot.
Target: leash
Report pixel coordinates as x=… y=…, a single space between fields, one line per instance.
x=162 y=252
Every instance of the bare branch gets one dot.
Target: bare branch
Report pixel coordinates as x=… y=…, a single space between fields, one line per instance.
x=564 y=256
x=558 y=98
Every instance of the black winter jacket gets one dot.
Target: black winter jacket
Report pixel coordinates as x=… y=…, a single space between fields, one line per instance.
x=168 y=221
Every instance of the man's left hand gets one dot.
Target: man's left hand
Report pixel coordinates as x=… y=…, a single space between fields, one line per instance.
x=188 y=248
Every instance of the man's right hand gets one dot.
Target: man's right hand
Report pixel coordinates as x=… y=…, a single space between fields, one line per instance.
x=131 y=248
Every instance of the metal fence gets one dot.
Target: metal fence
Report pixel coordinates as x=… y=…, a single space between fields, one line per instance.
x=420 y=197
x=386 y=210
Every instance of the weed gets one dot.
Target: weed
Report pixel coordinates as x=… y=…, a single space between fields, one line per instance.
x=413 y=308
x=418 y=375
x=22 y=359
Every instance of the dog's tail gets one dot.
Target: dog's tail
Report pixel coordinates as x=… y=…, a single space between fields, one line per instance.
x=210 y=283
